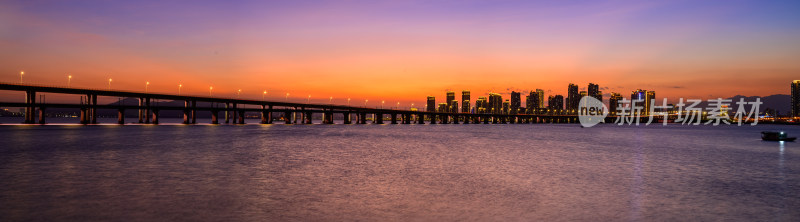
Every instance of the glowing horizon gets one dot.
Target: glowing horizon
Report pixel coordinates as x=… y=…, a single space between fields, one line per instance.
x=404 y=51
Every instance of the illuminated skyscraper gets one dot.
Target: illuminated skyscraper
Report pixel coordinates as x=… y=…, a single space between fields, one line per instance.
x=555 y=102
x=506 y=105
x=572 y=97
x=534 y=101
x=644 y=99
x=481 y=104
x=515 y=102
x=442 y=108
x=454 y=106
x=451 y=96
x=465 y=101
x=613 y=103
x=540 y=93
x=495 y=103
x=594 y=91
x=796 y=98
x=431 y=104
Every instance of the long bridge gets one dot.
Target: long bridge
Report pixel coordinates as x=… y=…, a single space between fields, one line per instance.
x=233 y=110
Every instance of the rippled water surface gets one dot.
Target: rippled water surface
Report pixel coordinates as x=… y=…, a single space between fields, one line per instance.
x=397 y=173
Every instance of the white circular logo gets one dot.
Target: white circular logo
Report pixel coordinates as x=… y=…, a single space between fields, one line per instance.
x=591 y=111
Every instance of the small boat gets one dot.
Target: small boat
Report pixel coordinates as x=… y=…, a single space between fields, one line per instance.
x=776 y=136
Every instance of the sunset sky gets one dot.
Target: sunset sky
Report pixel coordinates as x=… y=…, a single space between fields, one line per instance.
x=405 y=50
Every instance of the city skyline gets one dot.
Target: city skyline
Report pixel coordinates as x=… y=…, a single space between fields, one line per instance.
x=378 y=51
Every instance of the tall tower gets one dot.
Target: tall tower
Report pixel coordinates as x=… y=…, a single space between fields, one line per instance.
x=540 y=93
x=613 y=103
x=573 y=97
x=796 y=98
x=431 y=104
x=644 y=99
x=451 y=96
x=465 y=101
x=594 y=91
x=515 y=102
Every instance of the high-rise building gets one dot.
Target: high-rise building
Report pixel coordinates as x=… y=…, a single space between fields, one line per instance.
x=506 y=105
x=555 y=102
x=594 y=91
x=481 y=104
x=451 y=96
x=572 y=97
x=533 y=101
x=540 y=93
x=431 y=104
x=442 y=108
x=495 y=103
x=454 y=106
x=613 y=103
x=465 y=101
x=796 y=98
x=515 y=102
x=644 y=99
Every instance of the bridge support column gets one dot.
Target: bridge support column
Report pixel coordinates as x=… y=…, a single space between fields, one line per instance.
x=194 y=111
x=84 y=116
x=121 y=116
x=432 y=118
x=393 y=117
x=155 y=116
x=328 y=117
x=420 y=118
x=186 y=119
x=379 y=118
x=147 y=110
x=287 y=117
x=235 y=113
x=227 y=113
x=94 y=109
x=41 y=115
x=30 y=100
x=264 y=115
x=309 y=116
x=214 y=116
x=407 y=118
x=346 y=118
x=362 y=118
x=456 y=118
x=141 y=111
x=241 y=116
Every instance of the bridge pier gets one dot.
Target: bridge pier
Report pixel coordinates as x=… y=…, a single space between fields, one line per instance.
x=30 y=100
x=421 y=119
x=287 y=117
x=147 y=111
x=121 y=116
x=155 y=116
x=394 y=117
x=241 y=116
x=94 y=109
x=41 y=115
x=186 y=119
x=215 y=116
x=227 y=113
x=346 y=118
x=362 y=118
x=407 y=118
x=141 y=111
x=194 y=111
x=84 y=116
x=433 y=118
x=328 y=117
x=266 y=114
x=309 y=116
x=379 y=118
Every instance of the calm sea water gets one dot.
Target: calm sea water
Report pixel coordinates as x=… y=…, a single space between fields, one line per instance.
x=397 y=173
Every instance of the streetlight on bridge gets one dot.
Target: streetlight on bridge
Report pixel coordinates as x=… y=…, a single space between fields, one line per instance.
x=109 y=84
x=238 y=93
x=179 y=89
x=209 y=90
x=69 y=80
x=21 y=73
x=264 y=95
x=287 y=97
x=146 y=84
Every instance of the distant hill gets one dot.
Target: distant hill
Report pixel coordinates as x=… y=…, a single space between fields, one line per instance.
x=778 y=102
